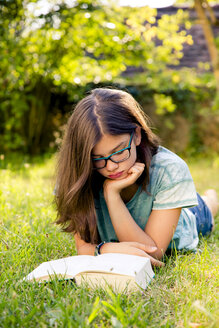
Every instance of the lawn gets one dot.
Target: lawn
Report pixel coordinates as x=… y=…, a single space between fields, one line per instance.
x=183 y=294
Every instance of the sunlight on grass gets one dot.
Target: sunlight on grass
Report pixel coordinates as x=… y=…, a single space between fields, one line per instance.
x=183 y=294
x=205 y=173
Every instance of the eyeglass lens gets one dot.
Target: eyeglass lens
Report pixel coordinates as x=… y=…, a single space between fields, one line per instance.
x=116 y=158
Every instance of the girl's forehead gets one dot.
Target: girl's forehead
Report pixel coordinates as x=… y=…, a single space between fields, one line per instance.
x=108 y=143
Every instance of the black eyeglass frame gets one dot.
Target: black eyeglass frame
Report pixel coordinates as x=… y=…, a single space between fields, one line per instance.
x=109 y=157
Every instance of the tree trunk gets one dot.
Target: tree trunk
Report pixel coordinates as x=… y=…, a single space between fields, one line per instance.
x=38 y=115
x=209 y=36
x=213 y=18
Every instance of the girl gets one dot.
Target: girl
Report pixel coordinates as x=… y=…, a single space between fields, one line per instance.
x=118 y=191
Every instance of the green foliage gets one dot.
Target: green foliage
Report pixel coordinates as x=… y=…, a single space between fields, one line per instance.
x=52 y=52
x=181 y=101
x=164 y=104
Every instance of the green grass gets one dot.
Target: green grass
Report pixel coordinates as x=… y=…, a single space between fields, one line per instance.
x=183 y=294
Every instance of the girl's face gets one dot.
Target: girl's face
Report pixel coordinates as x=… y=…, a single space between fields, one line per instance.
x=109 y=144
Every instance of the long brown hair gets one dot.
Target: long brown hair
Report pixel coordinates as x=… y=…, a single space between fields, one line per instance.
x=103 y=111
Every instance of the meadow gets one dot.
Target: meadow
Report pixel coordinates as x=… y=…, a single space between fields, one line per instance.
x=183 y=294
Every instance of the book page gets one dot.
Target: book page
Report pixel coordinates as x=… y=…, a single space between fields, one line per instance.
x=119 y=283
x=121 y=263
x=69 y=266
x=129 y=265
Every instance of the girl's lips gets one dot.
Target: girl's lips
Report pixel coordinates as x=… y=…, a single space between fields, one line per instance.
x=115 y=176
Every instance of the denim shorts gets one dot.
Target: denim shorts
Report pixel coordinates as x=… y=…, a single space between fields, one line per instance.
x=203 y=217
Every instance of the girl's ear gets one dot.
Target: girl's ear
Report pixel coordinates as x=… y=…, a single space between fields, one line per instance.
x=137 y=136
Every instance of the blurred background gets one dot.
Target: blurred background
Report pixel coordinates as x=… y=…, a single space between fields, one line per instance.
x=165 y=53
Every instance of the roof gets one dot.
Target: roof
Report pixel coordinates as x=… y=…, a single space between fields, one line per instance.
x=193 y=54
x=198 y=52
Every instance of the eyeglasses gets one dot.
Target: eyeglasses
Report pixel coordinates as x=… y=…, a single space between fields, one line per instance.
x=117 y=157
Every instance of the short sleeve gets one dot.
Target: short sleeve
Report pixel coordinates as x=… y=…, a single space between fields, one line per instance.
x=174 y=185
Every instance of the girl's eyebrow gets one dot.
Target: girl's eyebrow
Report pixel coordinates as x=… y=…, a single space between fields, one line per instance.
x=113 y=150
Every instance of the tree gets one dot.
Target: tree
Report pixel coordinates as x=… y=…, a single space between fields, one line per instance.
x=73 y=45
x=207 y=20
x=202 y=7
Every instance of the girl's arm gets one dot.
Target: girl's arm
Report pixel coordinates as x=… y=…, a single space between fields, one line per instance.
x=160 y=227
x=161 y=224
x=158 y=232
x=82 y=247
x=131 y=248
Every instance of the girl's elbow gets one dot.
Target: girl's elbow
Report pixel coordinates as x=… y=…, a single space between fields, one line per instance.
x=86 y=249
x=79 y=251
x=82 y=250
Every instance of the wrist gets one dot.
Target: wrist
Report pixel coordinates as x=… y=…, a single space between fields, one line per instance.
x=98 y=248
x=110 y=187
x=111 y=195
x=107 y=248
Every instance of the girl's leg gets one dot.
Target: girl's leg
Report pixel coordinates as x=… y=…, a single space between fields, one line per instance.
x=211 y=199
x=205 y=211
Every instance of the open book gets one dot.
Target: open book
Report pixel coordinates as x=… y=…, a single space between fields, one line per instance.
x=120 y=271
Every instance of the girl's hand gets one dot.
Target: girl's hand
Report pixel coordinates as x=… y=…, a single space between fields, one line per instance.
x=132 y=248
x=118 y=185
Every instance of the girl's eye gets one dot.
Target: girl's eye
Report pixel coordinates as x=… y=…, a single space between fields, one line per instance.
x=120 y=151
x=122 y=155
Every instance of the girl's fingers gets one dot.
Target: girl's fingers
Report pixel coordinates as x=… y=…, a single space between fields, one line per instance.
x=133 y=174
x=135 y=171
x=150 y=249
x=156 y=262
x=132 y=248
x=139 y=165
x=144 y=247
x=147 y=249
x=137 y=168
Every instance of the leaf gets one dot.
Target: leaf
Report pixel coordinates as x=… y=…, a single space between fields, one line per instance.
x=95 y=310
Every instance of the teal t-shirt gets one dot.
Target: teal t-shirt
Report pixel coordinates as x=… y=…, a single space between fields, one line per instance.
x=170 y=186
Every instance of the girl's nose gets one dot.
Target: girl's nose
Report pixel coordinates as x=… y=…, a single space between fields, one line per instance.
x=111 y=166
